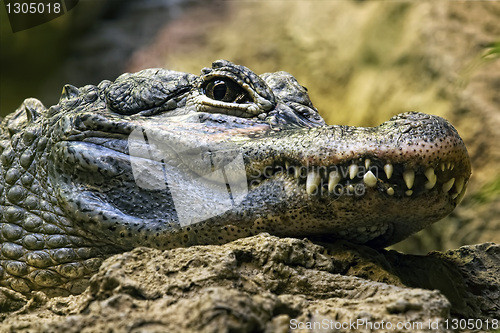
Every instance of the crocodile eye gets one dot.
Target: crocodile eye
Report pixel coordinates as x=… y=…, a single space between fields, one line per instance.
x=225 y=90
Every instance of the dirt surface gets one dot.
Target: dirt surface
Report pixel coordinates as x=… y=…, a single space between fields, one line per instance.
x=269 y=284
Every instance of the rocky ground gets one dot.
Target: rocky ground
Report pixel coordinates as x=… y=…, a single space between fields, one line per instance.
x=261 y=283
x=270 y=284
x=362 y=62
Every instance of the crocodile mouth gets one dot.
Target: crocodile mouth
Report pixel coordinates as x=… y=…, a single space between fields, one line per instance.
x=369 y=173
x=110 y=158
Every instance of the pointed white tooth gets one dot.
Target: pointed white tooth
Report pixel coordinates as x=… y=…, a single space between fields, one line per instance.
x=461 y=195
x=448 y=185
x=409 y=178
x=452 y=166
x=367 y=163
x=448 y=165
x=333 y=179
x=388 y=168
x=370 y=179
x=312 y=183
x=431 y=177
x=442 y=166
x=431 y=183
x=459 y=184
x=454 y=195
x=287 y=165
x=409 y=193
x=390 y=191
x=429 y=173
x=350 y=189
x=353 y=170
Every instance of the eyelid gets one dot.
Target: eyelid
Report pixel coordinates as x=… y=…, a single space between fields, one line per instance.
x=260 y=97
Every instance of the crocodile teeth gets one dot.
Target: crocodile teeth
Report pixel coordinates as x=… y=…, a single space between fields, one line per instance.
x=370 y=179
x=461 y=195
x=409 y=193
x=448 y=185
x=353 y=170
x=367 y=163
x=388 y=168
x=431 y=177
x=442 y=166
x=390 y=191
x=409 y=178
x=430 y=184
x=313 y=181
x=459 y=184
x=429 y=173
x=333 y=179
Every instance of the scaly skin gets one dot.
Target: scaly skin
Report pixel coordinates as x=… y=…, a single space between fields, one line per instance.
x=167 y=159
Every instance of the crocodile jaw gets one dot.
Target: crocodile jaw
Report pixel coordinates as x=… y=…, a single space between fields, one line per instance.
x=330 y=181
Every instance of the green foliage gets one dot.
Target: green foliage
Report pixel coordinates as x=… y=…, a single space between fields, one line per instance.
x=492 y=51
x=488 y=192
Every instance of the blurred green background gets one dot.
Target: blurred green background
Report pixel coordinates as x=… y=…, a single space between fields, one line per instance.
x=362 y=62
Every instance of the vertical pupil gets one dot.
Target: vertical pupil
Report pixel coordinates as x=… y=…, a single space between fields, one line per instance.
x=220 y=90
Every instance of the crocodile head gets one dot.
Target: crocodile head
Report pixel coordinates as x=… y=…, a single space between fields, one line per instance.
x=164 y=159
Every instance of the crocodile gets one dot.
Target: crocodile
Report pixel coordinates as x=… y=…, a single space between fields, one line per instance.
x=167 y=159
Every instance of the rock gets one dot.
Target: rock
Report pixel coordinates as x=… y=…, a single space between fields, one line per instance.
x=479 y=267
x=11 y=300
x=270 y=284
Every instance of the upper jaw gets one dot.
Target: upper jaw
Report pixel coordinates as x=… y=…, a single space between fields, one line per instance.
x=404 y=156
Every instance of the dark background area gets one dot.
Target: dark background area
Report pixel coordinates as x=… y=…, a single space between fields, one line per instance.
x=91 y=42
